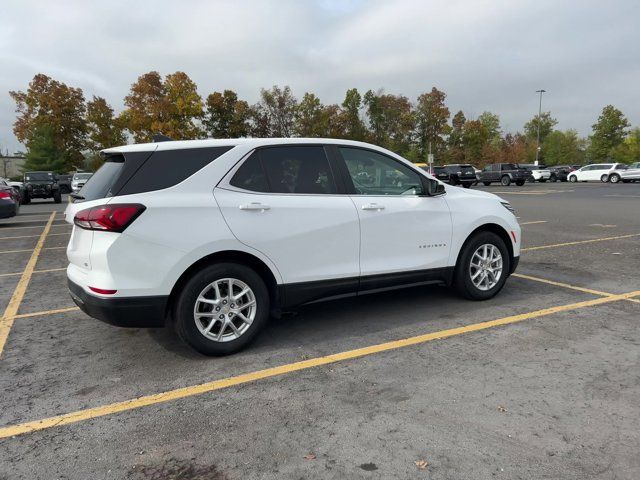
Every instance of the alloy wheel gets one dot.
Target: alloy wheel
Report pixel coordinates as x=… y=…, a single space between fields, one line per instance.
x=485 y=268
x=225 y=310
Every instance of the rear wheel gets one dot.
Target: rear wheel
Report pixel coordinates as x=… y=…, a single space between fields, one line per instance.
x=604 y=178
x=486 y=184
x=553 y=178
x=466 y=184
x=542 y=180
x=57 y=196
x=27 y=199
x=505 y=180
x=222 y=308
x=519 y=183
x=483 y=266
x=614 y=178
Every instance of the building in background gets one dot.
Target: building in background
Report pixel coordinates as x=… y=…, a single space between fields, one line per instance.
x=11 y=165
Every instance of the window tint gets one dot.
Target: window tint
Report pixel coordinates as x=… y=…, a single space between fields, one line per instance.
x=508 y=166
x=167 y=168
x=297 y=169
x=99 y=185
x=250 y=175
x=376 y=174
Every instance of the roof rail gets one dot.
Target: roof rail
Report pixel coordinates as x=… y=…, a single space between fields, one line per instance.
x=159 y=137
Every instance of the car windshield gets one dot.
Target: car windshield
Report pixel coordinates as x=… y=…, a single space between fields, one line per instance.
x=38 y=176
x=82 y=176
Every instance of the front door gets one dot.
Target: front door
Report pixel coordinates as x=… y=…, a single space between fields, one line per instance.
x=401 y=229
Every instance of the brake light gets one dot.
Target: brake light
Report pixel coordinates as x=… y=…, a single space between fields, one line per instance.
x=108 y=218
x=5 y=195
x=102 y=291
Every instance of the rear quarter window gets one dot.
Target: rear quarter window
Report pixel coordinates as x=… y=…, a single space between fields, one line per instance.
x=167 y=168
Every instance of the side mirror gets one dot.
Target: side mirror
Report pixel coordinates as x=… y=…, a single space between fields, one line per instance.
x=435 y=188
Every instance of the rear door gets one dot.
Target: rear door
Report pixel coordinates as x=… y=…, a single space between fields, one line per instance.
x=284 y=201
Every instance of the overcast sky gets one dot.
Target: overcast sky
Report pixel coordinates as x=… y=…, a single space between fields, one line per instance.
x=486 y=55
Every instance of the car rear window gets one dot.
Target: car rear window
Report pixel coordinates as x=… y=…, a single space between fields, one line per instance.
x=139 y=172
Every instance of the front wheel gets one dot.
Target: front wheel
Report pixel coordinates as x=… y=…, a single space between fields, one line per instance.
x=483 y=266
x=542 y=180
x=466 y=184
x=57 y=196
x=614 y=178
x=222 y=308
x=505 y=180
x=573 y=178
x=27 y=199
x=486 y=184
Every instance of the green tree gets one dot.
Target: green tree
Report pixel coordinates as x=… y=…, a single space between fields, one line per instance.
x=58 y=107
x=491 y=122
x=431 y=116
x=184 y=107
x=474 y=138
x=226 y=116
x=43 y=153
x=310 y=117
x=608 y=133
x=354 y=127
x=562 y=148
x=390 y=120
x=274 y=115
x=629 y=150
x=546 y=121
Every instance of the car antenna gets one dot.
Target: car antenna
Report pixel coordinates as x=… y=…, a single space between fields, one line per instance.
x=159 y=137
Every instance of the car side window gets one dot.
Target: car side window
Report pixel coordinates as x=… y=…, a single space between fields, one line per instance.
x=301 y=169
x=250 y=175
x=375 y=174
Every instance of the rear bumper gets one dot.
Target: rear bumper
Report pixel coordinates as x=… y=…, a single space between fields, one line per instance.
x=134 y=312
x=7 y=208
x=514 y=264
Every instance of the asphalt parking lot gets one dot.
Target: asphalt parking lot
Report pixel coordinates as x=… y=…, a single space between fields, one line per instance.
x=541 y=382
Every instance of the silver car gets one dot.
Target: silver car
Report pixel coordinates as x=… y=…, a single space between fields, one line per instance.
x=627 y=174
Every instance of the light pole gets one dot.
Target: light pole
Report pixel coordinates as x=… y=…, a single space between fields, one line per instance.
x=539 y=114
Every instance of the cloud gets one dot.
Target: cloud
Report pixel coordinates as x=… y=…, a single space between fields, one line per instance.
x=486 y=55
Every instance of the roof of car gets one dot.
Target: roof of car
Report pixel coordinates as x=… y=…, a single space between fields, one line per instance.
x=256 y=142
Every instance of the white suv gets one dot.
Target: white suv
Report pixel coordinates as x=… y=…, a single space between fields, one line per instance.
x=213 y=236
x=595 y=172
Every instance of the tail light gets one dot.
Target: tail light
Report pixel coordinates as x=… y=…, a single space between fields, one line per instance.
x=108 y=218
x=5 y=195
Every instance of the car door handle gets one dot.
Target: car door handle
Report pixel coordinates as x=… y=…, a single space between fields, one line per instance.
x=255 y=206
x=372 y=206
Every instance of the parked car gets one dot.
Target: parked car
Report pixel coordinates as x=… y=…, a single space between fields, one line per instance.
x=505 y=173
x=461 y=174
x=560 y=173
x=79 y=179
x=9 y=200
x=238 y=229
x=540 y=173
x=595 y=172
x=441 y=174
x=41 y=185
x=64 y=181
x=629 y=174
x=18 y=187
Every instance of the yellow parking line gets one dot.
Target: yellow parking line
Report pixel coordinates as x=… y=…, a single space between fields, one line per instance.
x=47 y=312
x=35 y=226
x=30 y=250
x=35 y=271
x=533 y=223
x=579 y=242
x=34 y=236
x=572 y=287
x=14 y=304
x=170 y=395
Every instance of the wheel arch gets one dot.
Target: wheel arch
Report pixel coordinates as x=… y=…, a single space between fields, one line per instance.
x=227 y=256
x=493 y=228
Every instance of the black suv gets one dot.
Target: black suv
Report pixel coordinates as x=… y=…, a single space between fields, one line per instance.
x=461 y=174
x=505 y=173
x=41 y=185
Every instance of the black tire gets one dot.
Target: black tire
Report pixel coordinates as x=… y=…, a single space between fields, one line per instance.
x=604 y=178
x=184 y=307
x=626 y=181
x=614 y=178
x=542 y=180
x=505 y=180
x=486 y=184
x=57 y=196
x=27 y=199
x=466 y=184
x=573 y=178
x=462 y=277
x=553 y=178
x=520 y=183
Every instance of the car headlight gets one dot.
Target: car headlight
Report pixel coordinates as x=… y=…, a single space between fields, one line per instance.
x=508 y=206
